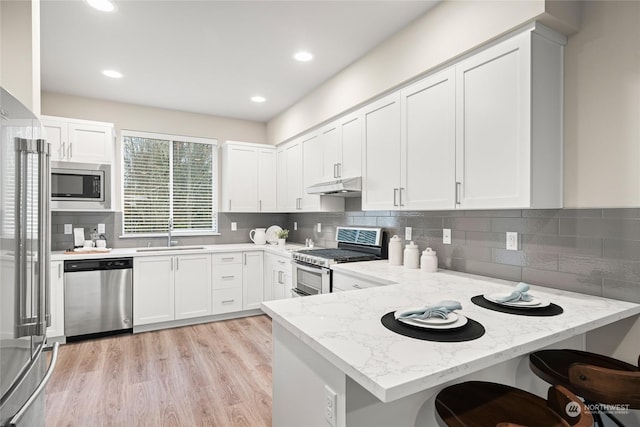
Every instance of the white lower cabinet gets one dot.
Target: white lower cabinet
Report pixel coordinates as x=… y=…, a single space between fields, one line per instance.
x=227 y=283
x=252 y=280
x=192 y=286
x=56 y=302
x=169 y=288
x=278 y=277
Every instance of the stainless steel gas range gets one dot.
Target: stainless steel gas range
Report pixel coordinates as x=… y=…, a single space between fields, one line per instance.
x=312 y=267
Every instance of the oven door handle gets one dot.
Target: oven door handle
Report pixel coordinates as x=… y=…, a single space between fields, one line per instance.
x=299 y=293
x=320 y=270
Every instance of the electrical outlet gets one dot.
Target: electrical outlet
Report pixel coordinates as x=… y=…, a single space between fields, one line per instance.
x=234 y=226
x=407 y=233
x=319 y=228
x=101 y=229
x=446 y=236
x=68 y=229
x=512 y=241
x=295 y=225
x=330 y=406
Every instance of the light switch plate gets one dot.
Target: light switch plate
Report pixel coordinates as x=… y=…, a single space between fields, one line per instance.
x=446 y=236
x=68 y=229
x=407 y=233
x=319 y=228
x=330 y=406
x=234 y=226
x=512 y=241
x=295 y=225
x=101 y=229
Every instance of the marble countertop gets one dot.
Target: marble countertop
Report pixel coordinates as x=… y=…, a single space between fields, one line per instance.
x=345 y=327
x=133 y=252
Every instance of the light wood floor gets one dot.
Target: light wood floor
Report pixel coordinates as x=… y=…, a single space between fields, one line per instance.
x=214 y=374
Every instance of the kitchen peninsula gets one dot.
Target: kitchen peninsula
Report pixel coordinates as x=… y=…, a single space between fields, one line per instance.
x=335 y=343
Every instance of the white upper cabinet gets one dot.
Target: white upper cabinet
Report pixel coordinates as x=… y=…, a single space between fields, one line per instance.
x=485 y=133
x=341 y=143
x=79 y=140
x=509 y=124
x=248 y=177
x=428 y=143
x=381 y=154
x=300 y=166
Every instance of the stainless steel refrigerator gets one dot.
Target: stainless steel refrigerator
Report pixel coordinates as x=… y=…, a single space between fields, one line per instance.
x=24 y=265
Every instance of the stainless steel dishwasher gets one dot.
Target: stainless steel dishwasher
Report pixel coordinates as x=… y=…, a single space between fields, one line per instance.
x=98 y=297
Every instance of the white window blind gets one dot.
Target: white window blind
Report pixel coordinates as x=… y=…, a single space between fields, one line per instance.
x=167 y=177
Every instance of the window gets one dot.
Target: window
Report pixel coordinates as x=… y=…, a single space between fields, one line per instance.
x=168 y=177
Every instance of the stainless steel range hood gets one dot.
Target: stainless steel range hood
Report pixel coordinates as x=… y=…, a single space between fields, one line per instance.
x=348 y=187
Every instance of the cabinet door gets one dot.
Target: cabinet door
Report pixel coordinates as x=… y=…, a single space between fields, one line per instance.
x=493 y=126
x=331 y=156
x=267 y=180
x=57 y=134
x=192 y=286
x=312 y=162
x=252 y=280
x=56 y=301
x=294 y=181
x=350 y=128
x=90 y=143
x=153 y=289
x=281 y=183
x=381 y=173
x=428 y=139
x=241 y=179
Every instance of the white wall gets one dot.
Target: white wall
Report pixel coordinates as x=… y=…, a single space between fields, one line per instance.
x=150 y=119
x=445 y=32
x=602 y=107
x=20 y=51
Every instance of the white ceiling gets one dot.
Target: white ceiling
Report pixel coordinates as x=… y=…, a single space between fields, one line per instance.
x=211 y=56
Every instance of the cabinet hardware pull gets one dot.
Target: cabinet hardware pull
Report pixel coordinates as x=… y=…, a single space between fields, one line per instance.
x=229 y=204
x=339 y=170
x=62 y=150
x=70 y=150
x=357 y=286
x=335 y=172
x=260 y=205
x=229 y=258
x=227 y=301
x=395 y=197
x=228 y=277
x=457 y=192
x=177 y=263
x=59 y=271
x=279 y=277
x=401 y=189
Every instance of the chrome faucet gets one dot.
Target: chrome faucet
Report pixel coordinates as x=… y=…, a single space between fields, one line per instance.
x=169 y=241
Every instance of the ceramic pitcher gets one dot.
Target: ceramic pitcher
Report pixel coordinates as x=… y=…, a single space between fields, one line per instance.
x=258 y=236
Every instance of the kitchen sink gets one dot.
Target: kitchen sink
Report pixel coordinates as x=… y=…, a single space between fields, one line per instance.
x=170 y=248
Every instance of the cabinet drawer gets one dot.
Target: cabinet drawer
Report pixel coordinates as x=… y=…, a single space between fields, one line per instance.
x=230 y=258
x=227 y=300
x=227 y=276
x=343 y=282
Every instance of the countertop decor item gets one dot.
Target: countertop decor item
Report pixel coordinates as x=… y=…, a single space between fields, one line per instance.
x=272 y=234
x=429 y=261
x=258 y=236
x=395 y=250
x=412 y=256
x=282 y=237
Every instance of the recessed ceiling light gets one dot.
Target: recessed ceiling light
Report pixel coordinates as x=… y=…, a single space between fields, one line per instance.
x=102 y=5
x=258 y=98
x=112 y=73
x=303 y=56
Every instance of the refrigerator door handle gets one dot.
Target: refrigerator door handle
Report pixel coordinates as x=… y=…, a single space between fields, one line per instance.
x=44 y=279
x=54 y=359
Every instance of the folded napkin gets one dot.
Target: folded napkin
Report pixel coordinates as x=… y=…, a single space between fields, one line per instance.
x=437 y=310
x=518 y=294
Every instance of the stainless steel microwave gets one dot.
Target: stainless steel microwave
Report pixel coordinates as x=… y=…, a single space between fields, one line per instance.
x=80 y=186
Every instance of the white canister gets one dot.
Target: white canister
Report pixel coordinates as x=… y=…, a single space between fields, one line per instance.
x=395 y=250
x=258 y=236
x=429 y=261
x=411 y=256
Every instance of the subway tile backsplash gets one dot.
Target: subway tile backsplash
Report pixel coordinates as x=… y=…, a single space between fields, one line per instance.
x=593 y=251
